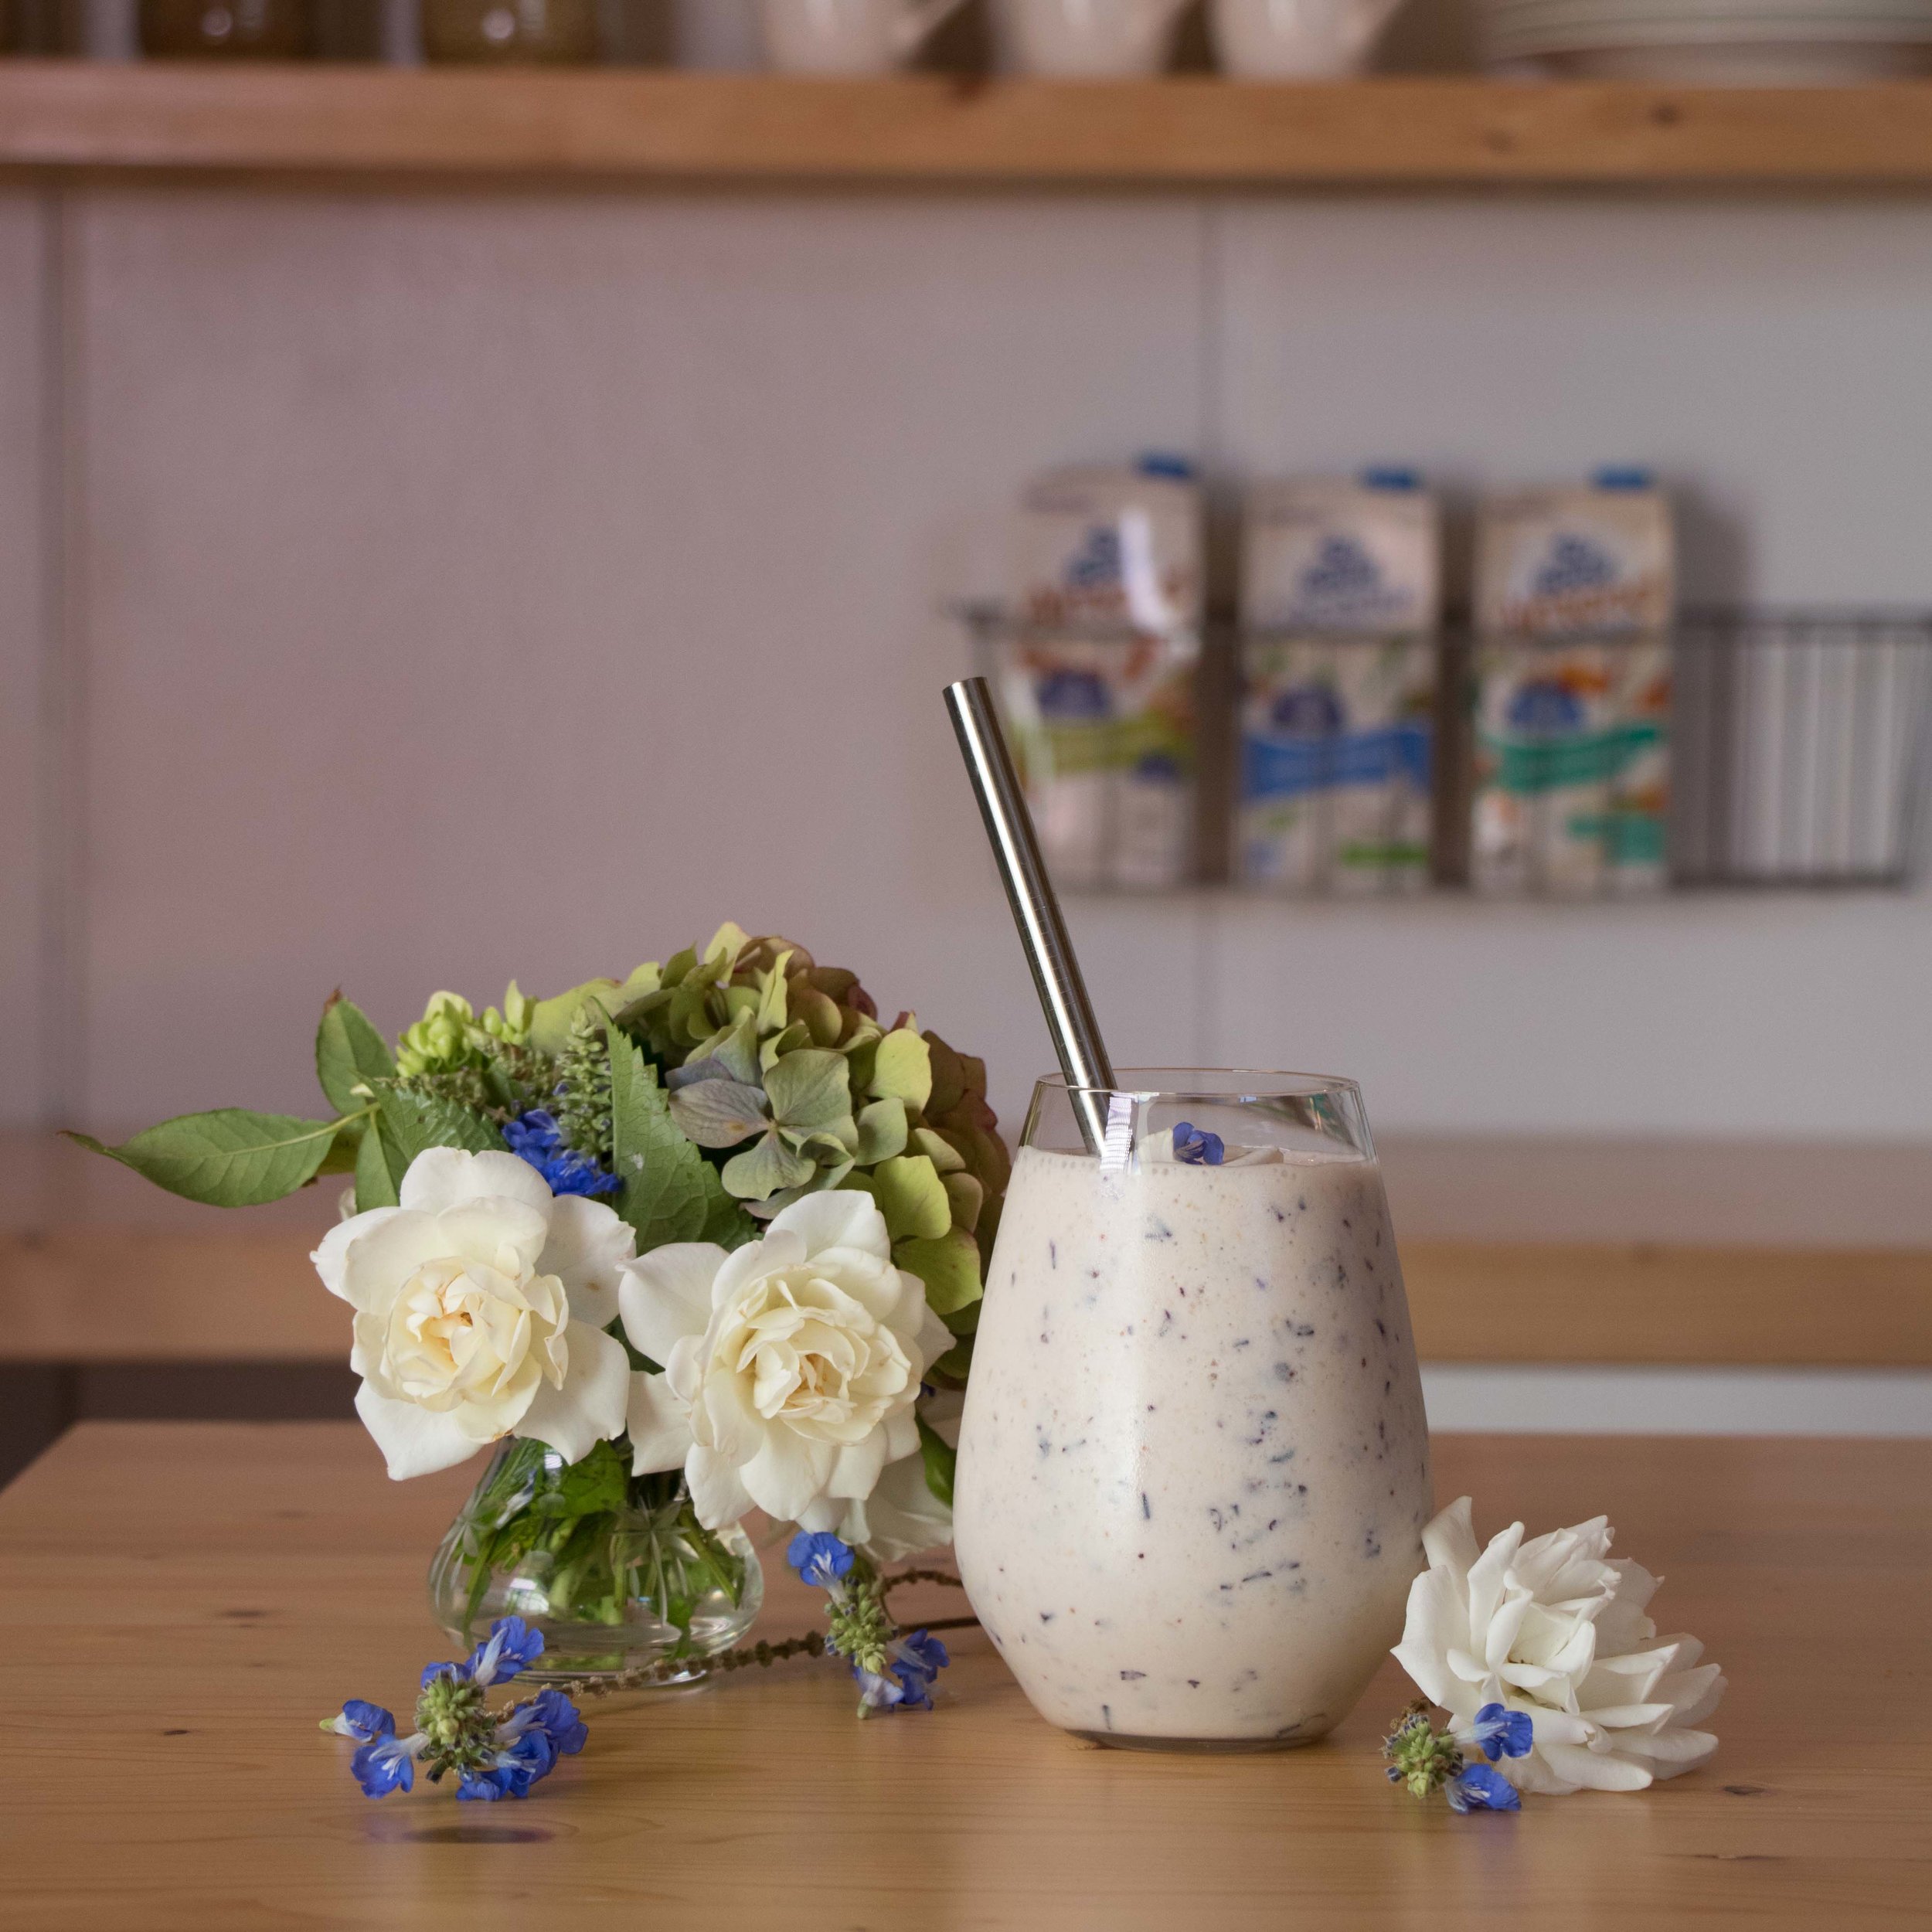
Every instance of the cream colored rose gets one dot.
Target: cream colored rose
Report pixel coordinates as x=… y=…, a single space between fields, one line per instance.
x=790 y=1366
x=480 y=1303
x=902 y=1516
x=1554 y=1628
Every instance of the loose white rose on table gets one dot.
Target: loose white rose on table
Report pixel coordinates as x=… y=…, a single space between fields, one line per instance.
x=1555 y=1629
x=481 y=1302
x=790 y=1366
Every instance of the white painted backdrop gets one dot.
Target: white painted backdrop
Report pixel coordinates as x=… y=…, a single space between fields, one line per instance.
x=395 y=592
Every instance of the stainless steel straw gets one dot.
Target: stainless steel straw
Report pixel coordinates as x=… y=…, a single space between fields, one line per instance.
x=1042 y=932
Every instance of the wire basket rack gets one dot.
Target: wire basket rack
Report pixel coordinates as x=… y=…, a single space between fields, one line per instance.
x=1742 y=749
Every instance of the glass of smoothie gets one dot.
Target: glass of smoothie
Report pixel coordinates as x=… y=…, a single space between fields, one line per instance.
x=1193 y=1468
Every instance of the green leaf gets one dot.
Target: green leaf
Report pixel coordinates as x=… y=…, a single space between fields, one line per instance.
x=349 y=1052
x=965 y=1320
x=949 y=1268
x=957 y=1362
x=375 y=1175
x=414 y=1123
x=550 y=1021
x=229 y=1158
x=725 y=1222
x=809 y=1092
x=718 y=1113
x=343 y=1152
x=881 y=1131
x=940 y=1459
x=903 y=1069
x=912 y=1198
x=668 y=1186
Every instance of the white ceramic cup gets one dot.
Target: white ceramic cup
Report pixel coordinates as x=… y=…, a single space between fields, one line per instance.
x=1087 y=39
x=1296 y=39
x=846 y=36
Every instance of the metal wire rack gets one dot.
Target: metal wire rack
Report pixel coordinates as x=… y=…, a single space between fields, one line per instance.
x=1744 y=748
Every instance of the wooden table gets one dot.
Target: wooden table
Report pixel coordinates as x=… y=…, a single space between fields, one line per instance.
x=183 y=1601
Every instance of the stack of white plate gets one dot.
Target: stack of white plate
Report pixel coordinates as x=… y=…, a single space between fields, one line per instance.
x=1743 y=42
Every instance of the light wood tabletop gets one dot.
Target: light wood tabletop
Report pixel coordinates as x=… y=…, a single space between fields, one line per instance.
x=182 y=1601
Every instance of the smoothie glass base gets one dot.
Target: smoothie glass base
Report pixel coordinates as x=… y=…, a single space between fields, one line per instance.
x=1193 y=1467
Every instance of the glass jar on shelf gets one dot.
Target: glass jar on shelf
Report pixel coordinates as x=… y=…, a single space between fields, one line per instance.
x=511 y=32
x=224 y=29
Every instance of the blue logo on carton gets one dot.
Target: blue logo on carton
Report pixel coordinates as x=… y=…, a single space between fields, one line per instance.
x=1574 y=563
x=1072 y=697
x=1098 y=562
x=1545 y=704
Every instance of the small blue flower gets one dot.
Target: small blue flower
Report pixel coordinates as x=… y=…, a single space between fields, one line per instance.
x=1480 y=1789
x=511 y=1647
x=519 y=1764
x=364 y=1722
x=460 y=1673
x=877 y=1693
x=1497 y=1732
x=389 y=1764
x=917 y=1660
x=553 y=1714
x=1196 y=1147
x=535 y=1136
x=819 y=1557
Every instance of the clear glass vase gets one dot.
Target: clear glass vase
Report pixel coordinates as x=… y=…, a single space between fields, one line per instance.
x=614 y=1570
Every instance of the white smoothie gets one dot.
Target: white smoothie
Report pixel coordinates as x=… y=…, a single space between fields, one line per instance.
x=1193 y=1469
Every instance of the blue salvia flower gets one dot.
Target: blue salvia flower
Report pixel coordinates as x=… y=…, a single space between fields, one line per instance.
x=1196 y=1147
x=1499 y=1732
x=493 y=1756
x=1477 y=1788
x=535 y=1136
x=820 y=1557
x=912 y=1662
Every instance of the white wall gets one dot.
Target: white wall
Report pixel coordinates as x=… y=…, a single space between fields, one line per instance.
x=470 y=586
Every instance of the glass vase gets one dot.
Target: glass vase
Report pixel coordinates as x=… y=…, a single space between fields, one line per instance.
x=614 y=1570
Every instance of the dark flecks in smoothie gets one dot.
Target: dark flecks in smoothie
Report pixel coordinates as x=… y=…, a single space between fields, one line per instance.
x=1159 y=1230
x=1147 y=1511
x=1052 y=1254
x=1194 y=1683
x=1301 y=1330
x=1107 y=1713
x=1284 y=1371
x=1382 y=1331
x=1242 y=1342
x=1046 y=1617
x=1167 y=1320
x=1258 y=1576
x=1132 y=1676
x=1371 y=1545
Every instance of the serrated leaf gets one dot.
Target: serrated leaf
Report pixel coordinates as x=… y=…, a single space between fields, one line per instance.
x=902 y=1069
x=940 y=1460
x=726 y=1222
x=414 y=1123
x=718 y=1113
x=375 y=1175
x=912 y=1198
x=667 y=1184
x=229 y=1158
x=949 y=1266
x=349 y=1053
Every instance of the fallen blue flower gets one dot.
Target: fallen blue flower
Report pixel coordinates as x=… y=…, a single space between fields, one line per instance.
x=1497 y=1731
x=1477 y=1788
x=1195 y=1147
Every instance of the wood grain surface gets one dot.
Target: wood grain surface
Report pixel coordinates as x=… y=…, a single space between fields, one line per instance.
x=1187 y=131
x=183 y=1601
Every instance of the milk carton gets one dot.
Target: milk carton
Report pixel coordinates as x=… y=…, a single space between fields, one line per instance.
x=1340 y=593
x=1097 y=680
x=1575 y=588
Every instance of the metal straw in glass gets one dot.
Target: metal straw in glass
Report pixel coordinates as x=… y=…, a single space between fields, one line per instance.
x=1036 y=912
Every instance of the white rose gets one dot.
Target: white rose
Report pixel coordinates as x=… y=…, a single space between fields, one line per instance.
x=902 y=1516
x=479 y=1305
x=790 y=1366
x=1550 y=1627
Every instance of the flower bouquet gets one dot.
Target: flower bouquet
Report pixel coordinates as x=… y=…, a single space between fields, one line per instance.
x=705 y=1240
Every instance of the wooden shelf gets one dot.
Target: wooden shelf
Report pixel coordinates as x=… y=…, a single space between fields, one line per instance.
x=1184 y=132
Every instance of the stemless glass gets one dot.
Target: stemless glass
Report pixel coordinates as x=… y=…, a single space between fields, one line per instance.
x=1193 y=1469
